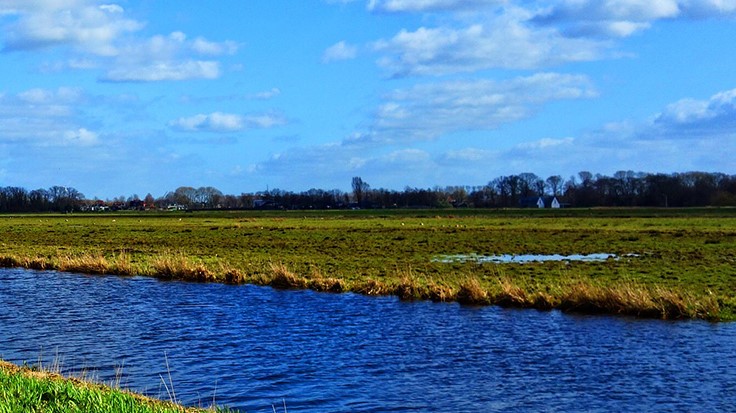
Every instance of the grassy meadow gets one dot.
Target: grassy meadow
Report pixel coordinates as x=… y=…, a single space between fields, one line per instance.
x=673 y=263
x=24 y=390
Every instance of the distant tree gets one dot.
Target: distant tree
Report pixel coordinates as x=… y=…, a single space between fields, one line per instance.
x=207 y=197
x=360 y=188
x=529 y=185
x=554 y=184
x=184 y=195
x=149 y=200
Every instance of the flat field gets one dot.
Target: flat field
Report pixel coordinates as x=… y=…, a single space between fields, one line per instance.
x=671 y=263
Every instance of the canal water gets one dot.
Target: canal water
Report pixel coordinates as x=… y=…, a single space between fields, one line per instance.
x=255 y=348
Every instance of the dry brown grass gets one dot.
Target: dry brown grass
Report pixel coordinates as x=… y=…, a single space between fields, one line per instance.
x=472 y=293
x=409 y=288
x=511 y=294
x=233 y=275
x=122 y=265
x=285 y=279
x=10 y=262
x=629 y=298
x=331 y=285
x=372 y=287
x=179 y=267
x=441 y=293
x=86 y=263
x=37 y=263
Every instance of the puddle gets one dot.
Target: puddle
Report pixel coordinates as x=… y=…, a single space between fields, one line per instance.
x=524 y=258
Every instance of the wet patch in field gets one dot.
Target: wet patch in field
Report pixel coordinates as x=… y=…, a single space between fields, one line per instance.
x=524 y=258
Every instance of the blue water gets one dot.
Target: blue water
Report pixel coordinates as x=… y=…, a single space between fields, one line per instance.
x=253 y=348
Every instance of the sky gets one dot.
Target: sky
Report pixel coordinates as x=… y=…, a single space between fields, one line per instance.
x=126 y=97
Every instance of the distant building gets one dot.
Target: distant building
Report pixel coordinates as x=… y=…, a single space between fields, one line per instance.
x=540 y=202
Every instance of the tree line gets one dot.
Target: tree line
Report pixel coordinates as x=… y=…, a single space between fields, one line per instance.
x=623 y=189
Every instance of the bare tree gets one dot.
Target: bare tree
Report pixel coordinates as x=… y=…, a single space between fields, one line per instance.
x=554 y=184
x=360 y=188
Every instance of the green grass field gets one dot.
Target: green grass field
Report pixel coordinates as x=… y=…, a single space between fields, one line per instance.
x=685 y=263
x=24 y=390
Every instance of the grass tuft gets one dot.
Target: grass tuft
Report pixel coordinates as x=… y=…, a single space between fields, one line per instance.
x=85 y=263
x=511 y=295
x=472 y=293
x=179 y=267
x=330 y=285
x=284 y=279
x=441 y=293
x=372 y=287
x=233 y=276
x=409 y=288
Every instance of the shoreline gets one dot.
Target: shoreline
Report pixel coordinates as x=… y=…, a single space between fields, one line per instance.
x=577 y=296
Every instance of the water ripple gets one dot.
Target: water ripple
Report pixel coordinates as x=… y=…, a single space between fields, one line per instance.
x=251 y=347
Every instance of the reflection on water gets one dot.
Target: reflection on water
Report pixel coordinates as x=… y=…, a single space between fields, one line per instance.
x=250 y=347
x=524 y=258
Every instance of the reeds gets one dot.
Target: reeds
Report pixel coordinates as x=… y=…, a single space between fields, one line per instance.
x=283 y=278
x=181 y=267
x=85 y=263
x=472 y=293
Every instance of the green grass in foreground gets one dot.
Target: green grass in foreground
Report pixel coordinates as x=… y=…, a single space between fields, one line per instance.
x=685 y=265
x=23 y=390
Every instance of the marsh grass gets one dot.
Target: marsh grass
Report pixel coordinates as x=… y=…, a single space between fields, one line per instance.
x=372 y=287
x=472 y=293
x=35 y=390
x=85 y=263
x=410 y=286
x=177 y=266
x=285 y=279
x=676 y=273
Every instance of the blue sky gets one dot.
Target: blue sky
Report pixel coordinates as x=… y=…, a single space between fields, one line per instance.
x=144 y=96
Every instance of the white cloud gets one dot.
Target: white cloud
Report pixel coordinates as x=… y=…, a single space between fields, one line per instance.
x=81 y=24
x=81 y=137
x=430 y=110
x=715 y=117
x=687 y=135
x=468 y=155
x=264 y=121
x=206 y=47
x=339 y=51
x=266 y=94
x=545 y=143
x=101 y=37
x=167 y=58
x=112 y=8
x=428 y=5
x=214 y=122
x=622 y=18
x=226 y=122
x=45 y=117
x=505 y=41
x=38 y=96
x=708 y=8
x=165 y=70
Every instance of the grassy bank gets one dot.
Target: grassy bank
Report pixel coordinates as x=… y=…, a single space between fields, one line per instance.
x=24 y=390
x=683 y=265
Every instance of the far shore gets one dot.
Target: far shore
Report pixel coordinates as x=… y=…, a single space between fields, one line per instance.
x=670 y=265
